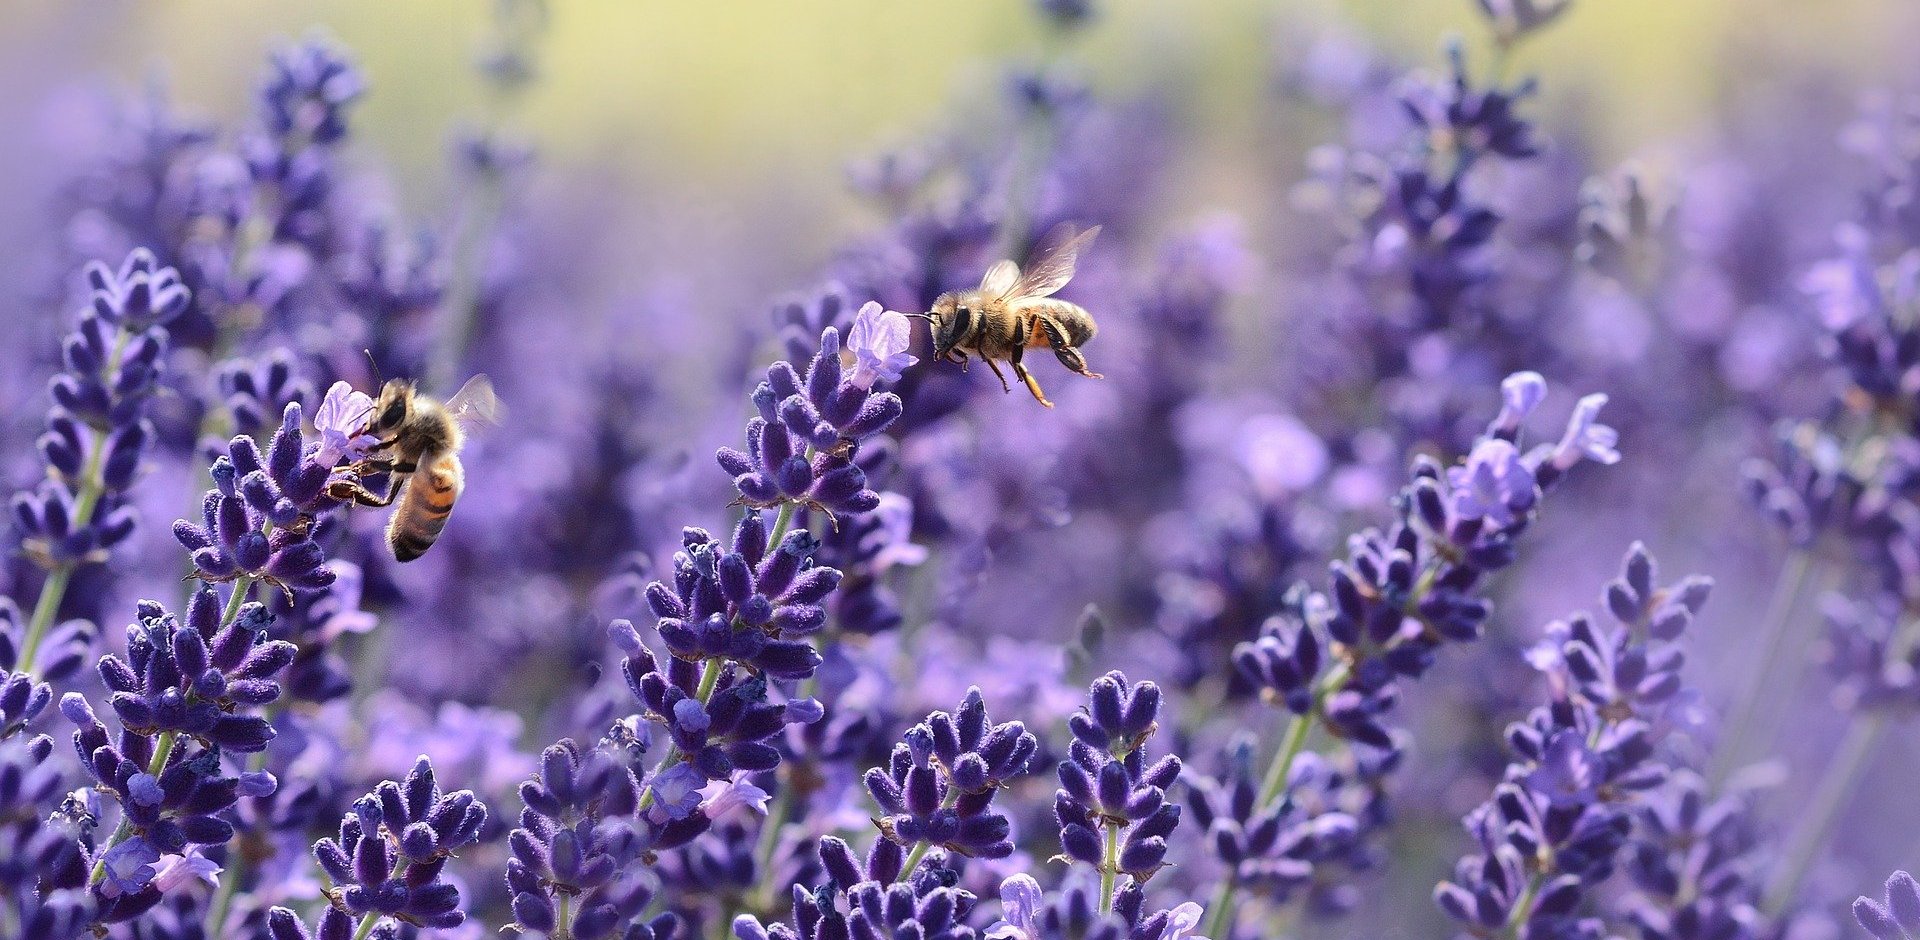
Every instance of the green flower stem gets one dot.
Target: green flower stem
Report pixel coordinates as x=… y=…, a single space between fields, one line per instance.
x=1523 y=908
x=162 y=752
x=86 y=502
x=913 y=860
x=1837 y=785
x=784 y=520
x=1220 y=909
x=1109 y=866
x=709 y=677
x=1220 y=912
x=1745 y=705
x=52 y=591
x=1816 y=824
x=1282 y=766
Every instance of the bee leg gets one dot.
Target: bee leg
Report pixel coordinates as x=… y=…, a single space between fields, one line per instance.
x=999 y=375
x=353 y=491
x=1068 y=355
x=1032 y=385
x=1020 y=369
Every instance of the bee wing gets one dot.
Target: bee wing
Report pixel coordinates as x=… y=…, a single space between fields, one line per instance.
x=1001 y=279
x=475 y=403
x=1050 y=266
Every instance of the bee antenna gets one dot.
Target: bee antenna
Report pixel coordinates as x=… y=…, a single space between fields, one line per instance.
x=374 y=365
x=924 y=316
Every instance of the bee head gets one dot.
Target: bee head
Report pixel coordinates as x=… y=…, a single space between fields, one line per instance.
x=950 y=320
x=392 y=408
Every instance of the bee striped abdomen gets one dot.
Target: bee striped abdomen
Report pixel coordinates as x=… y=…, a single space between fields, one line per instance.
x=425 y=507
x=1073 y=321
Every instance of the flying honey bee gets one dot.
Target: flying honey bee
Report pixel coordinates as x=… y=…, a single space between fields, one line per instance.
x=1014 y=309
x=420 y=440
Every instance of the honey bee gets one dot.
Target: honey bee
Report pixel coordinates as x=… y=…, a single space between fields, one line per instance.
x=1013 y=310
x=420 y=440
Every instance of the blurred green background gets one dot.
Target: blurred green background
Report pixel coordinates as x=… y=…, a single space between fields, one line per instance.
x=722 y=97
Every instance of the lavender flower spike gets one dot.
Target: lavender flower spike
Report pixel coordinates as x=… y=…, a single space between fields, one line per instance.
x=393 y=847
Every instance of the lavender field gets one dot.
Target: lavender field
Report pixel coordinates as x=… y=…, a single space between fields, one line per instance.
x=1269 y=478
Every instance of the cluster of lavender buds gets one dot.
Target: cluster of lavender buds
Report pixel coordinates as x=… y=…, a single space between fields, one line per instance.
x=1897 y=915
x=182 y=696
x=303 y=106
x=718 y=720
x=751 y=604
x=1694 y=864
x=878 y=897
x=1112 y=805
x=259 y=517
x=1403 y=593
x=1336 y=660
x=801 y=446
x=22 y=699
x=936 y=792
x=390 y=857
x=254 y=391
x=1029 y=915
x=43 y=868
x=1277 y=844
x=938 y=786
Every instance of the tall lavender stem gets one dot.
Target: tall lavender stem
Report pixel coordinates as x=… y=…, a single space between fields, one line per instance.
x=1837 y=785
x=1834 y=791
x=1745 y=704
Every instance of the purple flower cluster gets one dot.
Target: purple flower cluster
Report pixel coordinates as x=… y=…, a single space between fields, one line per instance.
x=391 y=854
x=801 y=446
x=1403 y=593
x=258 y=519
x=181 y=698
x=1112 y=805
x=938 y=786
x=97 y=433
x=870 y=899
x=716 y=726
x=752 y=604
x=1559 y=822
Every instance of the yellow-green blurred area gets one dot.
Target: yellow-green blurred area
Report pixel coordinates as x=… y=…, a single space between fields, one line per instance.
x=731 y=104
